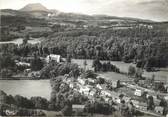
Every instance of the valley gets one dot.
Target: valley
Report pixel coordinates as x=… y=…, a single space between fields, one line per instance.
x=52 y=62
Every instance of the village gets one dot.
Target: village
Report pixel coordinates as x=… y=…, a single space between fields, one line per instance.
x=119 y=92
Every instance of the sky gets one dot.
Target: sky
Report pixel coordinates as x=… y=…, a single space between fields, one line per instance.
x=146 y=9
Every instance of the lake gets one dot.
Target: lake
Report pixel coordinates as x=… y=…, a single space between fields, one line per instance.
x=27 y=88
x=20 y=41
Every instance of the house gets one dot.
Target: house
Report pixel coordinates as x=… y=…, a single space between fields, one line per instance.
x=159 y=109
x=90 y=81
x=166 y=97
x=71 y=85
x=135 y=103
x=53 y=57
x=167 y=115
x=81 y=81
x=106 y=93
x=156 y=101
x=11 y=112
x=138 y=92
x=143 y=106
x=27 y=70
x=34 y=74
x=99 y=86
x=107 y=99
x=141 y=82
x=23 y=64
x=115 y=84
x=92 y=92
x=126 y=99
x=117 y=100
x=78 y=108
x=84 y=90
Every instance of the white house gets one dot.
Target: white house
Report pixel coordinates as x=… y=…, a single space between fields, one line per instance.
x=92 y=92
x=135 y=103
x=127 y=99
x=71 y=85
x=91 y=80
x=84 y=90
x=53 y=57
x=166 y=97
x=159 y=109
x=138 y=92
x=23 y=64
x=106 y=93
x=81 y=81
x=11 y=112
x=78 y=108
x=115 y=84
x=99 y=86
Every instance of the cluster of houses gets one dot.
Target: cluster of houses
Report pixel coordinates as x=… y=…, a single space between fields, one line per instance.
x=142 y=105
x=25 y=64
x=153 y=84
x=90 y=88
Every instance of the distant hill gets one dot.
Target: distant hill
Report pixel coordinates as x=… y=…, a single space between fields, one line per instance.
x=34 y=7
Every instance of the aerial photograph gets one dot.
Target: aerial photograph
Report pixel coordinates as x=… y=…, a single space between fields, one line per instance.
x=84 y=58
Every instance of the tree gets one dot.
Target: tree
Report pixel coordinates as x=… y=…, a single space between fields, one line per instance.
x=10 y=100
x=89 y=74
x=85 y=64
x=6 y=61
x=68 y=59
x=131 y=71
x=23 y=102
x=6 y=73
x=139 y=72
x=39 y=102
x=163 y=102
x=36 y=63
x=150 y=103
x=100 y=80
x=97 y=65
x=67 y=110
x=25 y=40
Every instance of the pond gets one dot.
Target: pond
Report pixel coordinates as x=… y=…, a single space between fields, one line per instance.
x=27 y=88
x=20 y=41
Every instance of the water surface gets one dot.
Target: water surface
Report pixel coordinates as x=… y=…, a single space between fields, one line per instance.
x=27 y=88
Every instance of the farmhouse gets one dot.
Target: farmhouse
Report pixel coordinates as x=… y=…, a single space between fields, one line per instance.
x=23 y=64
x=84 y=90
x=81 y=81
x=138 y=92
x=53 y=57
x=92 y=92
x=78 y=108
x=106 y=93
x=115 y=84
x=159 y=109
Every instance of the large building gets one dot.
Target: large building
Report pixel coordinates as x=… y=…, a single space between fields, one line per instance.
x=53 y=57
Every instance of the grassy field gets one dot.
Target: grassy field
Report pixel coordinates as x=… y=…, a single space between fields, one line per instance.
x=159 y=75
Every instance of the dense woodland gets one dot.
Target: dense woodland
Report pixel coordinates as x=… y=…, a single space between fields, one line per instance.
x=149 y=46
x=130 y=40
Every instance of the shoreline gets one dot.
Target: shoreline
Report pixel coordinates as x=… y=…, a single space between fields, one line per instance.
x=22 y=78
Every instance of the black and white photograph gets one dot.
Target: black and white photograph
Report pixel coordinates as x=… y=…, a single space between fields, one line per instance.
x=83 y=58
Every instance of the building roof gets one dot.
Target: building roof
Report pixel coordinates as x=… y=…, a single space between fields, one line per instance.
x=159 y=108
x=78 y=106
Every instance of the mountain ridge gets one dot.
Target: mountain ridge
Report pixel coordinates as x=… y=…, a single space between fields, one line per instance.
x=37 y=9
x=34 y=7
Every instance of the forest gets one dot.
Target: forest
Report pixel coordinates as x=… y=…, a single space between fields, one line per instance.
x=137 y=44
